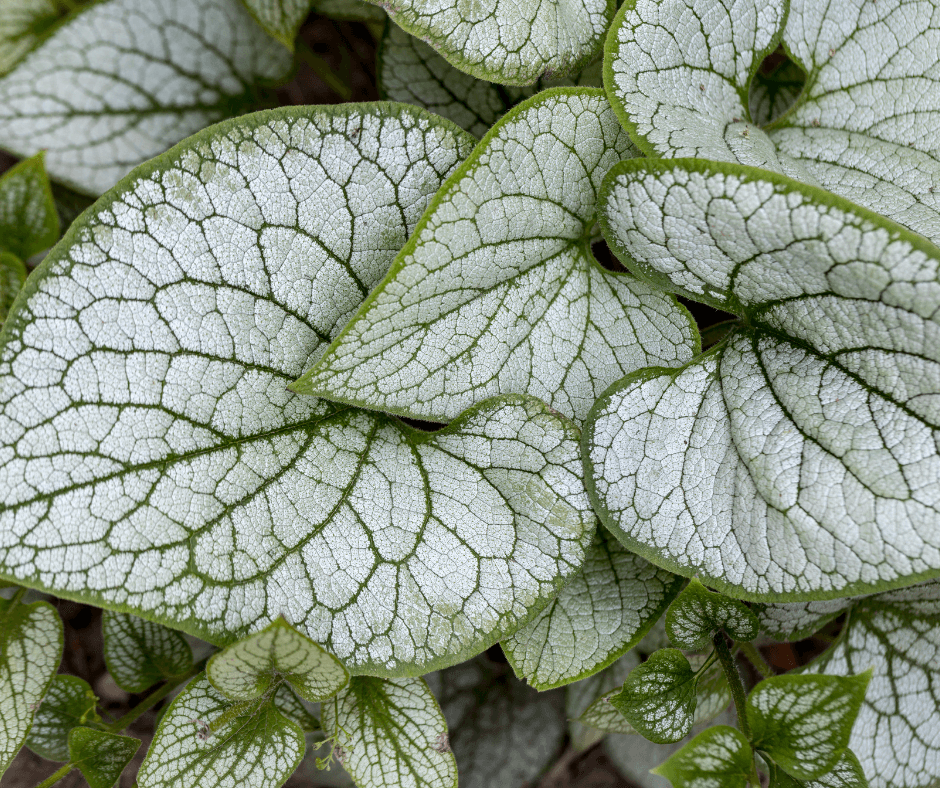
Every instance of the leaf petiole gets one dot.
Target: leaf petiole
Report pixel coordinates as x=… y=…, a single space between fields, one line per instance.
x=733 y=676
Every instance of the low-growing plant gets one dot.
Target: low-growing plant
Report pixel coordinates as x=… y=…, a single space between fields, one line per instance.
x=345 y=393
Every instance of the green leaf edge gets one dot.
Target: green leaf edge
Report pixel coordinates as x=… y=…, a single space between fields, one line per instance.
x=50 y=233
x=697 y=588
x=301 y=385
x=287 y=41
x=128 y=739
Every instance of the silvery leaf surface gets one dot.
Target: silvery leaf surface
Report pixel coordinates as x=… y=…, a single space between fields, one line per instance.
x=122 y=81
x=497 y=290
x=797 y=620
x=797 y=459
x=154 y=461
x=411 y=71
x=697 y=614
x=847 y=773
x=719 y=757
x=603 y=612
x=865 y=126
x=510 y=43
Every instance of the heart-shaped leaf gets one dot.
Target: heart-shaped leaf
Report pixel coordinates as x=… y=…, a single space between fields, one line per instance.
x=847 y=773
x=68 y=703
x=865 y=126
x=697 y=614
x=28 y=220
x=798 y=458
x=719 y=757
x=139 y=653
x=605 y=611
x=101 y=756
x=202 y=741
x=512 y=43
x=389 y=733
x=658 y=698
x=497 y=290
x=122 y=80
x=248 y=668
x=803 y=722
x=30 y=651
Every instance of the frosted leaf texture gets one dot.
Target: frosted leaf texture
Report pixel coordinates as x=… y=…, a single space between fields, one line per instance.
x=123 y=80
x=865 y=127
x=797 y=620
x=603 y=612
x=411 y=71
x=511 y=43
x=139 y=653
x=697 y=614
x=847 y=773
x=719 y=757
x=155 y=460
x=280 y=18
x=28 y=220
x=258 y=750
x=798 y=459
x=30 y=650
x=24 y=22
x=68 y=703
x=898 y=635
x=497 y=290
x=279 y=652
x=390 y=733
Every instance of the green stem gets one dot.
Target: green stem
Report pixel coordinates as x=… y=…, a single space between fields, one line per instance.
x=153 y=699
x=706 y=665
x=737 y=693
x=53 y=778
x=757 y=660
x=322 y=69
x=16 y=598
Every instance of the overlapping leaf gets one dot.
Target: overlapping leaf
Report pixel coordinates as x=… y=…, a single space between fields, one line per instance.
x=280 y=18
x=605 y=611
x=12 y=276
x=697 y=614
x=497 y=290
x=25 y=22
x=28 y=220
x=139 y=653
x=511 y=43
x=101 y=756
x=411 y=71
x=798 y=459
x=390 y=733
x=156 y=462
x=719 y=757
x=847 y=773
x=865 y=126
x=30 y=650
x=589 y=715
x=122 y=81
x=68 y=703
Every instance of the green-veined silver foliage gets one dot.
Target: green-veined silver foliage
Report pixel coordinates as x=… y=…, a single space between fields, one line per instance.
x=512 y=43
x=799 y=457
x=101 y=756
x=139 y=653
x=719 y=757
x=866 y=125
x=280 y=18
x=66 y=704
x=28 y=220
x=122 y=80
x=697 y=614
x=155 y=462
x=497 y=290
x=25 y=22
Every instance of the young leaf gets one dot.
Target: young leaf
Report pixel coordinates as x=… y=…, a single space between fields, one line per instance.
x=101 y=756
x=497 y=290
x=68 y=703
x=390 y=733
x=658 y=698
x=30 y=651
x=12 y=277
x=139 y=653
x=864 y=127
x=719 y=757
x=898 y=635
x=248 y=668
x=162 y=382
x=121 y=81
x=797 y=620
x=511 y=43
x=589 y=695
x=803 y=722
x=280 y=18
x=25 y=22
x=29 y=223
x=288 y=704
x=411 y=71
x=605 y=611
x=798 y=458
x=847 y=773
x=502 y=732
x=697 y=614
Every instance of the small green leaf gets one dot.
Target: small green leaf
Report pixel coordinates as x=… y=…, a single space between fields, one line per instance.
x=286 y=702
x=847 y=773
x=798 y=620
x=280 y=18
x=30 y=651
x=604 y=612
x=389 y=733
x=68 y=703
x=121 y=81
x=12 y=277
x=697 y=614
x=29 y=223
x=101 y=756
x=719 y=757
x=139 y=653
x=497 y=289
x=658 y=698
x=196 y=745
x=248 y=668
x=804 y=722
